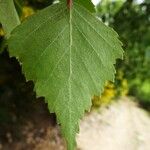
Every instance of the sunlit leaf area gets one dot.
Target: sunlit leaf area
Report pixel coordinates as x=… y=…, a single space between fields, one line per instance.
x=74 y=74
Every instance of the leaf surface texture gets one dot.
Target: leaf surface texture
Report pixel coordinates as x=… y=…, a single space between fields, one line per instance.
x=69 y=54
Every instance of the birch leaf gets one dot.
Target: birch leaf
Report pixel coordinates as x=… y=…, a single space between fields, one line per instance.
x=69 y=54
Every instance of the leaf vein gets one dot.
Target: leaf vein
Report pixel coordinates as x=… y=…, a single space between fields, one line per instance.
x=93 y=28
x=42 y=53
x=40 y=25
x=83 y=35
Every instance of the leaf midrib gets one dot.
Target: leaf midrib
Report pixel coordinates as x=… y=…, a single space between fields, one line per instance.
x=70 y=64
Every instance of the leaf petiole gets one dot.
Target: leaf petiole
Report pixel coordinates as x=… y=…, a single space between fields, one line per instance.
x=69 y=3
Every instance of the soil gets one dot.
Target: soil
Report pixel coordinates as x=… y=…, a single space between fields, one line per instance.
x=121 y=126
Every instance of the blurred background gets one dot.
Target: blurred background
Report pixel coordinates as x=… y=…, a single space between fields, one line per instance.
x=25 y=122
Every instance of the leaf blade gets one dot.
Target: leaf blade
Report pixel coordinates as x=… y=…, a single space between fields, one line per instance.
x=88 y=4
x=67 y=64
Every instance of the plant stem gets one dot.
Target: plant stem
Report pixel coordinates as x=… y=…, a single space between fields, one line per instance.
x=69 y=3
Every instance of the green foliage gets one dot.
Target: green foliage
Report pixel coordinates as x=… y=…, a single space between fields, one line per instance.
x=69 y=54
x=18 y=5
x=89 y=5
x=9 y=20
x=131 y=21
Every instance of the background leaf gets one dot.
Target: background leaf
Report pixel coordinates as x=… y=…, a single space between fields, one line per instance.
x=8 y=16
x=19 y=4
x=70 y=55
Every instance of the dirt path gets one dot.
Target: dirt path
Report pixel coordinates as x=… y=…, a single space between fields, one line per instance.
x=123 y=126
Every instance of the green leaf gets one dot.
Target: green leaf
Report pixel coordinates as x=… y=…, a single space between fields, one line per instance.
x=19 y=6
x=8 y=16
x=86 y=3
x=70 y=55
